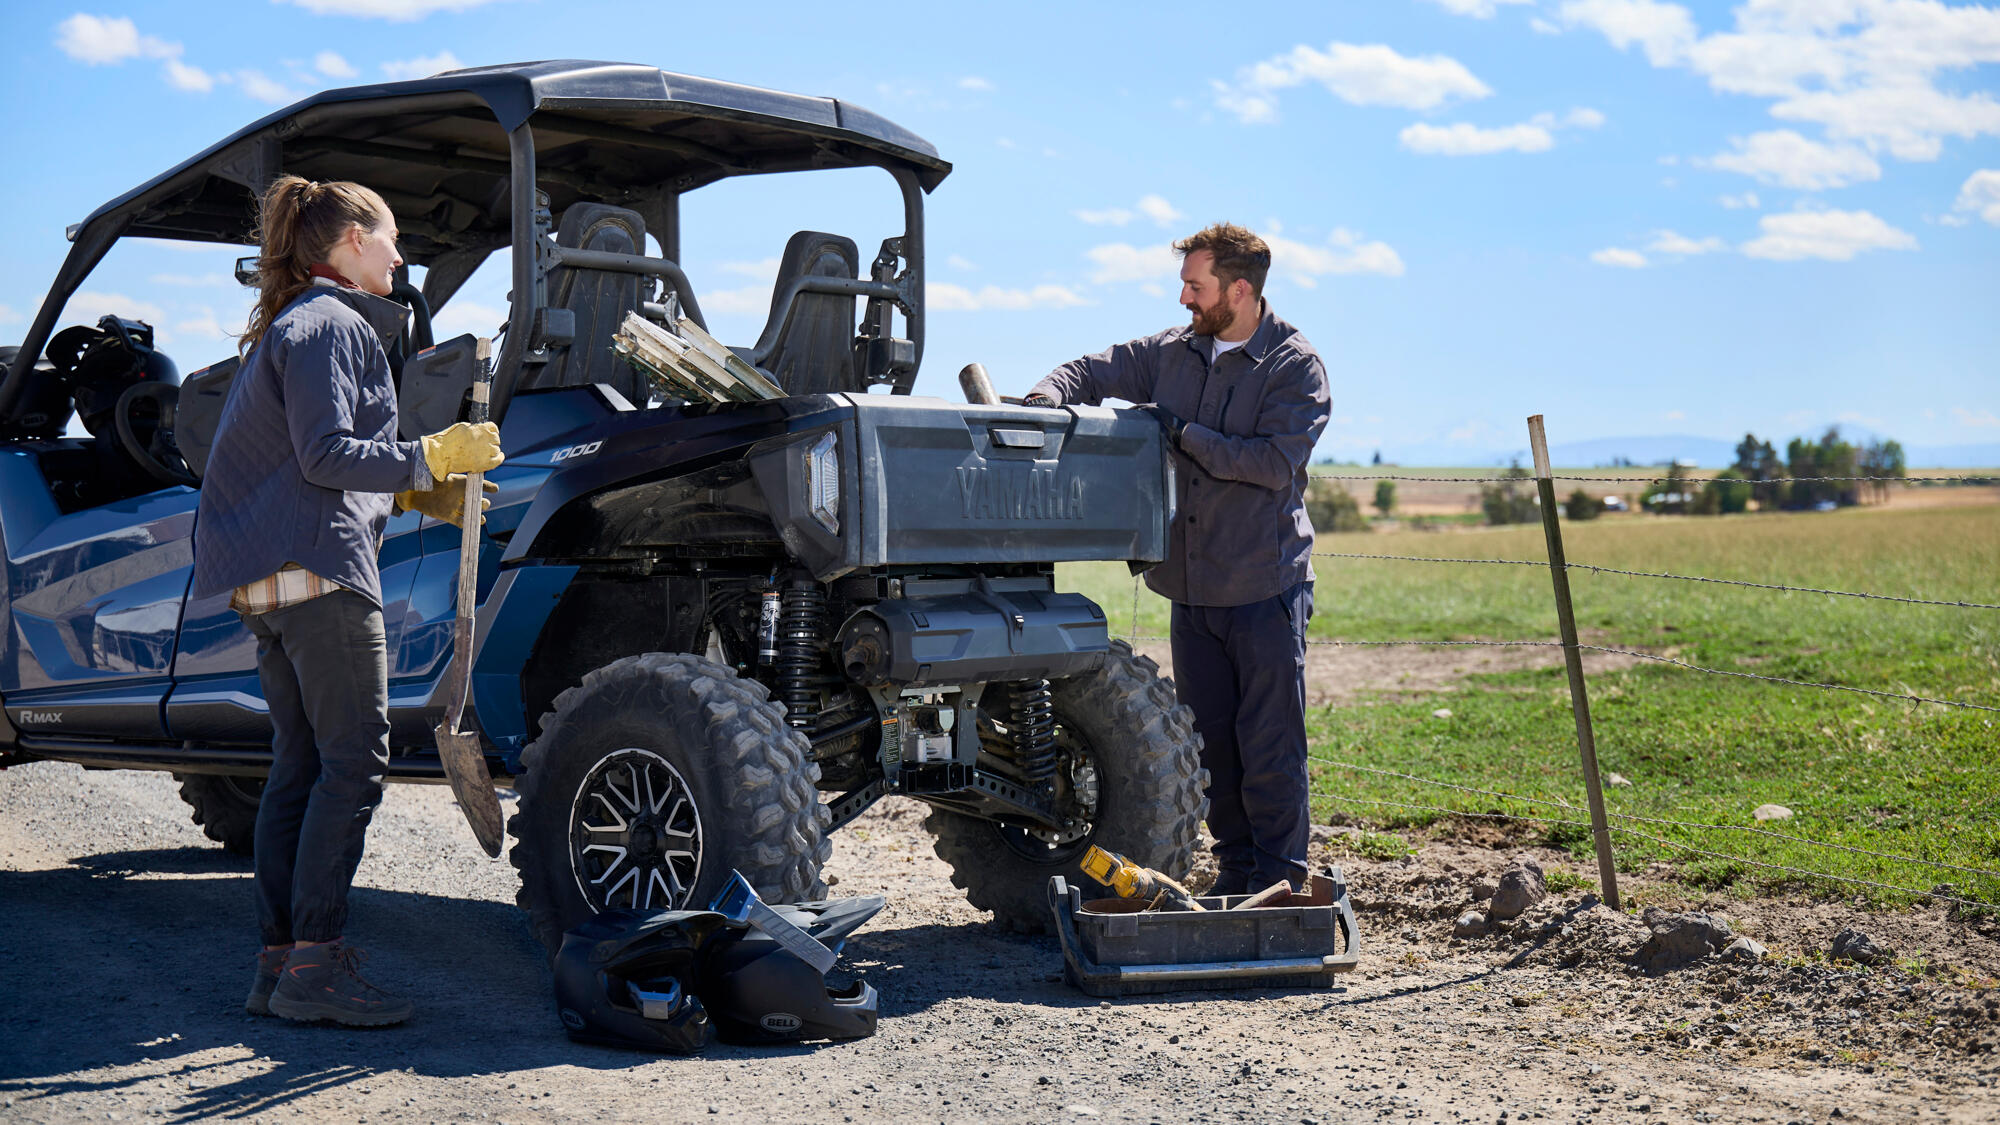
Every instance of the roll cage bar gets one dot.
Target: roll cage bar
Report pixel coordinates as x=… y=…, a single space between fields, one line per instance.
x=624 y=134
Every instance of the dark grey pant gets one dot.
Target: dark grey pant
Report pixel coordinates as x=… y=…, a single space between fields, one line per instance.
x=1242 y=670
x=325 y=668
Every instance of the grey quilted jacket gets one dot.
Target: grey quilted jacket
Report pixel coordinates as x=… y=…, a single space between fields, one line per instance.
x=306 y=457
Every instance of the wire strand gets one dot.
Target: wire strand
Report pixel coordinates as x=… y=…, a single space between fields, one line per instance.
x=1795 y=683
x=1801 y=870
x=1775 y=586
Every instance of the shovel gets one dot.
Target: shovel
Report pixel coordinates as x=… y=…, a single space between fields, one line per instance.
x=464 y=759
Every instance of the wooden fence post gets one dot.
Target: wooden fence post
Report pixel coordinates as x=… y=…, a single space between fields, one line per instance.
x=1579 y=697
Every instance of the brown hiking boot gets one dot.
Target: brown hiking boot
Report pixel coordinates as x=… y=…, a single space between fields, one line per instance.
x=323 y=982
x=269 y=963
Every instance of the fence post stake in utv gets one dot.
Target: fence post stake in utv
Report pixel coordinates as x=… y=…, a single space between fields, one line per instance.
x=1579 y=697
x=464 y=760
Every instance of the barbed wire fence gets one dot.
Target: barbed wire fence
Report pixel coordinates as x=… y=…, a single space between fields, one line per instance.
x=1600 y=821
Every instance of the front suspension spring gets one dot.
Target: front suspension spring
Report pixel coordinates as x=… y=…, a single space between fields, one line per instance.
x=801 y=626
x=1031 y=721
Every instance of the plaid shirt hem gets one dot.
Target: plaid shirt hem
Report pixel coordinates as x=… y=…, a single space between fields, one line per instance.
x=291 y=585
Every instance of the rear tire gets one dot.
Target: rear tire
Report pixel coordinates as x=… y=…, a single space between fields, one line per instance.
x=651 y=781
x=225 y=807
x=1151 y=794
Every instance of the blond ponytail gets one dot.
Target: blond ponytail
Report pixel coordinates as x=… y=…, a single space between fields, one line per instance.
x=298 y=223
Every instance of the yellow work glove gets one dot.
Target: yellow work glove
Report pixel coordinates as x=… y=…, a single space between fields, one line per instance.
x=445 y=500
x=462 y=448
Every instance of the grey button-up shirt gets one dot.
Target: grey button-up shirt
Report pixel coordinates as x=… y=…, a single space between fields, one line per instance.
x=1253 y=416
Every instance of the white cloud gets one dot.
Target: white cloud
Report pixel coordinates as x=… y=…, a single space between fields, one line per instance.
x=974 y=82
x=1665 y=32
x=88 y=306
x=1537 y=134
x=184 y=76
x=1783 y=158
x=1835 y=236
x=1620 y=257
x=199 y=336
x=751 y=300
x=1983 y=418
x=332 y=65
x=1863 y=70
x=1369 y=75
x=422 y=66
x=1343 y=253
x=1740 y=202
x=1461 y=139
x=1668 y=242
x=1477 y=9
x=264 y=88
x=1121 y=262
x=1159 y=210
x=1675 y=416
x=107 y=40
x=1109 y=217
x=961 y=263
x=1981 y=195
x=765 y=268
x=8 y=315
x=1544 y=27
x=395 y=11
x=98 y=40
x=957 y=298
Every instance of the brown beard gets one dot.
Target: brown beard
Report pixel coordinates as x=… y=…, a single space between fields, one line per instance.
x=1213 y=321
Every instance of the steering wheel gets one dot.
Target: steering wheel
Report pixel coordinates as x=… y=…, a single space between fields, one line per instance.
x=144 y=417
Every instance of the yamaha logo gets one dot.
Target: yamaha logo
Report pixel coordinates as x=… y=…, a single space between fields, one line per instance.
x=781 y=1023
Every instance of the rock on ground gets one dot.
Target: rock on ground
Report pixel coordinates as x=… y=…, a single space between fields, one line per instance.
x=1522 y=885
x=1679 y=938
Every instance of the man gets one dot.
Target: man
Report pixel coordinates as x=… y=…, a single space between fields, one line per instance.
x=1242 y=397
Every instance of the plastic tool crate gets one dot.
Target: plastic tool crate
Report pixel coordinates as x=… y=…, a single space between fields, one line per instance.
x=1116 y=947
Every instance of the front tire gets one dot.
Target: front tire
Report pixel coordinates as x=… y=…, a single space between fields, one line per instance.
x=651 y=781
x=225 y=807
x=1125 y=724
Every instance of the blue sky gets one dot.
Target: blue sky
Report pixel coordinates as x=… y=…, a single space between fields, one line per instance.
x=1635 y=217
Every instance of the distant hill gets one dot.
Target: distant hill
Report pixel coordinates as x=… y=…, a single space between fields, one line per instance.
x=1707 y=453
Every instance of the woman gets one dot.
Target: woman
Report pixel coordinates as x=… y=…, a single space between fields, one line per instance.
x=302 y=477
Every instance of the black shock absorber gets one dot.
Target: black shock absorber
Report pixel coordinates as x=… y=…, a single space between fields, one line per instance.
x=1031 y=719
x=801 y=630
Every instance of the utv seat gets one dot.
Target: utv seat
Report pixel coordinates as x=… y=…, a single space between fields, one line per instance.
x=598 y=298
x=814 y=352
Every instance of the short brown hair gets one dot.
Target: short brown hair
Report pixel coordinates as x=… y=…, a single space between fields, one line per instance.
x=1239 y=254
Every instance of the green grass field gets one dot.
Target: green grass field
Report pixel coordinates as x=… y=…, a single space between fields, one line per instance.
x=1882 y=775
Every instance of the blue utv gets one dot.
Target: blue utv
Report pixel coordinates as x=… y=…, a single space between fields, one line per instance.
x=707 y=633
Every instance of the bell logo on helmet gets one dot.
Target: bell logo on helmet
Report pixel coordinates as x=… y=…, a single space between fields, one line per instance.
x=781 y=1023
x=571 y=1018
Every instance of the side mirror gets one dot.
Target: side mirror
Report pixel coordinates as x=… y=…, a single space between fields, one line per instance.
x=246 y=272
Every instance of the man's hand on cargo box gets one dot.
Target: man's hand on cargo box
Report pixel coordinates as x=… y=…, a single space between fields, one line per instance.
x=1168 y=422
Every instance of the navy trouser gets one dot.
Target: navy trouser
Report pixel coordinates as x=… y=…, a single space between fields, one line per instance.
x=1242 y=669
x=325 y=669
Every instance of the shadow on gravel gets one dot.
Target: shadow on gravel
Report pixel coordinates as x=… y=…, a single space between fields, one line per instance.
x=139 y=960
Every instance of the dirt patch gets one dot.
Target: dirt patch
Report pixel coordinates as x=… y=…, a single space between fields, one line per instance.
x=1339 y=674
x=128 y=939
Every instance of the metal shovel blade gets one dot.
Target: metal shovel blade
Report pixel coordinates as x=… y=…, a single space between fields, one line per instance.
x=465 y=766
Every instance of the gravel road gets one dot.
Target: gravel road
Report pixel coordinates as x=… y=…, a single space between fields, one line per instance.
x=126 y=940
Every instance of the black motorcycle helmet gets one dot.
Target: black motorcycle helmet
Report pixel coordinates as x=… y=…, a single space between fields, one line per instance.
x=625 y=978
x=96 y=364
x=756 y=992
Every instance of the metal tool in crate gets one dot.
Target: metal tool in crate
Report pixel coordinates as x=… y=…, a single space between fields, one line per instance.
x=1117 y=947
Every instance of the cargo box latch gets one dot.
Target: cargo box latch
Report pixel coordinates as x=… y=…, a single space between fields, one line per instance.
x=1019 y=439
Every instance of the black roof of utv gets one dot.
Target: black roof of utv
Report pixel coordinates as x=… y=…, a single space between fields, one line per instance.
x=437 y=148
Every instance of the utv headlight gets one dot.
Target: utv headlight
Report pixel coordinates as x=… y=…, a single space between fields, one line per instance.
x=823 y=482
